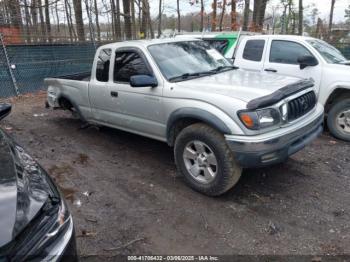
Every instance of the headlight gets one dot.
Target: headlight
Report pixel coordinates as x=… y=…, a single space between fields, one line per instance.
x=260 y=119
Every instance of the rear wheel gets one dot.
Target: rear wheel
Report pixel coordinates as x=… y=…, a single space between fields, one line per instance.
x=205 y=160
x=338 y=120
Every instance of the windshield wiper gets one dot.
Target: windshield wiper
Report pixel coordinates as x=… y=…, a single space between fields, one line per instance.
x=221 y=68
x=189 y=75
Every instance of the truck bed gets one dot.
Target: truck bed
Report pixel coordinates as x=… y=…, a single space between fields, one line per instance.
x=84 y=76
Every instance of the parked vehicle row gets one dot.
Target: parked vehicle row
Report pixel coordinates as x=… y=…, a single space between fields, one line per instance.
x=35 y=223
x=297 y=56
x=218 y=118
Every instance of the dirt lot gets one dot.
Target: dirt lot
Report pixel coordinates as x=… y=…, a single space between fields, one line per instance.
x=126 y=198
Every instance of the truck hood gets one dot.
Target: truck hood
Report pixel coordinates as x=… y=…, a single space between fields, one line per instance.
x=23 y=189
x=240 y=84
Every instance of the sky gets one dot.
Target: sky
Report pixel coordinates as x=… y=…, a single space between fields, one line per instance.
x=322 y=5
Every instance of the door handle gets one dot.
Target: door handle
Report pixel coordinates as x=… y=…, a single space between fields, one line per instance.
x=271 y=70
x=114 y=94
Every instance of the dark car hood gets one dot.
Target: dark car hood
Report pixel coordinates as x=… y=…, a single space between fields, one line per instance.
x=23 y=189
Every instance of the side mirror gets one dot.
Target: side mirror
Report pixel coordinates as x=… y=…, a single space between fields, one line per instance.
x=143 y=81
x=5 y=109
x=307 y=60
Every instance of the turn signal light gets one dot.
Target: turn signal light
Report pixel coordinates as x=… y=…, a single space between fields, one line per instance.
x=247 y=120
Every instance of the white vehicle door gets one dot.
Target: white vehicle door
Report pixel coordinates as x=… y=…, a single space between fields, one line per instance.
x=250 y=57
x=137 y=109
x=282 y=58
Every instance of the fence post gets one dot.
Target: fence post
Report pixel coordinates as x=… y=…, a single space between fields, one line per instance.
x=14 y=82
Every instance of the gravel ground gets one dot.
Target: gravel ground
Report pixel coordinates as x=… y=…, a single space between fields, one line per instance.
x=126 y=198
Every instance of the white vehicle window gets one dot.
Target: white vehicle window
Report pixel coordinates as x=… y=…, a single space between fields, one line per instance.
x=254 y=50
x=102 y=66
x=287 y=52
x=328 y=52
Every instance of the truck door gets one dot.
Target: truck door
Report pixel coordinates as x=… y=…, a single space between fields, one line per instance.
x=98 y=88
x=137 y=109
x=250 y=57
x=283 y=59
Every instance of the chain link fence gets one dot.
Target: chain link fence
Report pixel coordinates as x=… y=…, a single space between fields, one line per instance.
x=23 y=67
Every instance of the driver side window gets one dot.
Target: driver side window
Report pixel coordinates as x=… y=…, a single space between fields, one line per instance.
x=287 y=52
x=128 y=64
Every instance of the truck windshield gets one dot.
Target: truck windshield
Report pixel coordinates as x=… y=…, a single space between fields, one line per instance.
x=180 y=61
x=328 y=52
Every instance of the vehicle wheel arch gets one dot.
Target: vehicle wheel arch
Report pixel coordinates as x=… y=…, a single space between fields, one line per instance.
x=67 y=104
x=338 y=93
x=185 y=117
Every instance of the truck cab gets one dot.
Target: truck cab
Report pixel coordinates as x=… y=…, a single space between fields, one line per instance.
x=304 y=57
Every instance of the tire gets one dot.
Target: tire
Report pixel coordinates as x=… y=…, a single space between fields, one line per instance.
x=338 y=120
x=197 y=149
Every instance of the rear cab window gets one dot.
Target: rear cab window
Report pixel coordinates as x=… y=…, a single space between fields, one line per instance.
x=254 y=50
x=102 y=66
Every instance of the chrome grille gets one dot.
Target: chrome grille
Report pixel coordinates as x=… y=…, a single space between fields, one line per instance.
x=301 y=105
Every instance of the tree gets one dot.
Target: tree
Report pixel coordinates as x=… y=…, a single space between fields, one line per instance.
x=15 y=13
x=178 y=15
x=213 y=16
x=133 y=21
x=41 y=15
x=233 y=15
x=143 y=18
x=78 y=13
x=47 y=21
x=127 y=19
x=149 y=20
x=117 y=20
x=259 y=14
x=301 y=19
x=202 y=16
x=331 y=18
x=28 y=20
x=246 y=15
x=97 y=22
x=222 y=14
x=160 y=18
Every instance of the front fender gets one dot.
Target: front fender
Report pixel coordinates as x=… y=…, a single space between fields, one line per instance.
x=198 y=114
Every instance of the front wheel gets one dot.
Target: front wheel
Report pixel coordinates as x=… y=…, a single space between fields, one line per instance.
x=338 y=120
x=205 y=160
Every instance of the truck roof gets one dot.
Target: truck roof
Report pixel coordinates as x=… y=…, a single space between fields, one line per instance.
x=290 y=37
x=146 y=43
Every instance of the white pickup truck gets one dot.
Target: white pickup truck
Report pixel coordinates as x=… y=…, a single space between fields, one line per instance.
x=219 y=119
x=304 y=57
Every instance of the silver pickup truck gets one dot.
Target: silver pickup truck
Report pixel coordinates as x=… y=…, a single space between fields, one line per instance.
x=218 y=118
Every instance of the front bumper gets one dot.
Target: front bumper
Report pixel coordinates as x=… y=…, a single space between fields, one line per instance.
x=267 y=149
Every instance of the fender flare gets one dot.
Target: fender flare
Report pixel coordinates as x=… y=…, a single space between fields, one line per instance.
x=195 y=113
x=332 y=88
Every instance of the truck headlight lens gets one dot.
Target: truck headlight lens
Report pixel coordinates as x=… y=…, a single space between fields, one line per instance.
x=260 y=119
